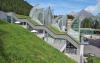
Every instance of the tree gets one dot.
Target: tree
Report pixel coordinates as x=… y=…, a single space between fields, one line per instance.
x=96 y=25
x=70 y=17
x=87 y=23
x=17 y=6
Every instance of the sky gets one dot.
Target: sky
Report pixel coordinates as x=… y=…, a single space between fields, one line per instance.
x=62 y=7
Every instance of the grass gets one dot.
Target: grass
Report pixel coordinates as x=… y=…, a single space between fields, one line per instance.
x=96 y=59
x=22 y=16
x=18 y=45
x=93 y=59
x=55 y=30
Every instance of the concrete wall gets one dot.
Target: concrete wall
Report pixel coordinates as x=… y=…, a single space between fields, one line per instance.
x=3 y=15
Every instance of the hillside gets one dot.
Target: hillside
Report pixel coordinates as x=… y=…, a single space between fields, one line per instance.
x=18 y=45
x=17 y=6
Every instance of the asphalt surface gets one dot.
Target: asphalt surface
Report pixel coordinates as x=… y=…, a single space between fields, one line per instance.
x=95 y=43
x=93 y=47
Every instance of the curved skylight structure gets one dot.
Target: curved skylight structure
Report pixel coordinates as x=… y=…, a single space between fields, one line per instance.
x=75 y=26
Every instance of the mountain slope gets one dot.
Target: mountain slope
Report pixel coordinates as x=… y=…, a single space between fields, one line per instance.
x=17 y=6
x=17 y=45
x=84 y=13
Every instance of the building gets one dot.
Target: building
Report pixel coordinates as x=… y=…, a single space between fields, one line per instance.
x=41 y=15
x=3 y=16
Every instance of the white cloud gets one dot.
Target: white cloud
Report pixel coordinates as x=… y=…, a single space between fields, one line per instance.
x=94 y=8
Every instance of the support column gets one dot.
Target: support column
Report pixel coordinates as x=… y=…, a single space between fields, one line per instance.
x=81 y=54
x=26 y=25
x=44 y=34
x=47 y=37
x=11 y=20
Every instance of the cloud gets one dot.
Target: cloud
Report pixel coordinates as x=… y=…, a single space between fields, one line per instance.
x=66 y=6
x=94 y=8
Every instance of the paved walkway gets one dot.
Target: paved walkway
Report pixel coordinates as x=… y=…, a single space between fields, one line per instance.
x=95 y=42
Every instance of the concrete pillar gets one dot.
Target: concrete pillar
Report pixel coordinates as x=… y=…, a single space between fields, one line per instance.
x=44 y=34
x=47 y=36
x=11 y=20
x=26 y=25
x=81 y=53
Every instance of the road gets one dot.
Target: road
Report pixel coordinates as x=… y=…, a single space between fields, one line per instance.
x=93 y=48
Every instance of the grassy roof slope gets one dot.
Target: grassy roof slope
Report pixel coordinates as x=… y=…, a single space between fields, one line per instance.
x=17 y=45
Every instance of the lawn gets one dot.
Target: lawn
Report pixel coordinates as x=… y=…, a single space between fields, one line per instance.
x=18 y=45
x=96 y=59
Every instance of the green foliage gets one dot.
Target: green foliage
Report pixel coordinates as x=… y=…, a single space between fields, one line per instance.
x=22 y=16
x=17 y=6
x=96 y=25
x=18 y=45
x=87 y=23
x=93 y=59
x=90 y=59
x=70 y=17
x=55 y=16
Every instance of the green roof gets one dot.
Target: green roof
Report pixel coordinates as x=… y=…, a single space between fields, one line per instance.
x=55 y=30
x=22 y=16
x=28 y=18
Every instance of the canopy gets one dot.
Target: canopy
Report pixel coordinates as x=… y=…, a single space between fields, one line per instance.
x=34 y=31
x=17 y=22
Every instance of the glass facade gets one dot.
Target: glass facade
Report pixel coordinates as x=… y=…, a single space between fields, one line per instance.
x=75 y=27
